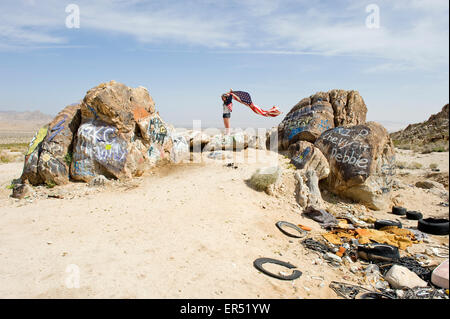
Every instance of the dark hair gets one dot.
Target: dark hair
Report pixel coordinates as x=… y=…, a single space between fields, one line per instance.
x=228 y=98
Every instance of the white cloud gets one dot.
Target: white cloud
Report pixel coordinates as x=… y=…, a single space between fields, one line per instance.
x=413 y=34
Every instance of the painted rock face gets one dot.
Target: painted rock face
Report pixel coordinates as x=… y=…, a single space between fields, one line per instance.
x=313 y=115
x=361 y=162
x=305 y=156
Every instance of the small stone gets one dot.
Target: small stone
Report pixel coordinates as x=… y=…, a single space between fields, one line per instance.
x=400 y=277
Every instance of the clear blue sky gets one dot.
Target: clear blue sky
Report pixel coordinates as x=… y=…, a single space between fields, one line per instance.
x=189 y=52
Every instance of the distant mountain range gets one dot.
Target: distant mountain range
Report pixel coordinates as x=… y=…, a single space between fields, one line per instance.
x=24 y=116
x=28 y=121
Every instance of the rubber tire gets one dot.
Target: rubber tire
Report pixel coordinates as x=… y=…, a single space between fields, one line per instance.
x=302 y=232
x=384 y=222
x=258 y=264
x=434 y=226
x=400 y=211
x=413 y=215
x=378 y=252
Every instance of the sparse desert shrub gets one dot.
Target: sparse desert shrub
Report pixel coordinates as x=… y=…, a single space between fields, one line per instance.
x=433 y=165
x=4 y=159
x=68 y=158
x=264 y=177
x=50 y=184
x=439 y=149
x=415 y=165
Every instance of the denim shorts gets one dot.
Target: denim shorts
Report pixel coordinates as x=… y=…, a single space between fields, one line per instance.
x=226 y=112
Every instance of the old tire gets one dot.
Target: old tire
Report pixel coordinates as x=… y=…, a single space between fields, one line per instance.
x=282 y=224
x=384 y=223
x=258 y=264
x=434 y=226
x=413 y=215
x=378 y=252
x=397 y=210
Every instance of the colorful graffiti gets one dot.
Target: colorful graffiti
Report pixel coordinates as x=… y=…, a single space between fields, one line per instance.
x=102 y=144
x=37 y=139
x=348 y=147
x=157 y=131
x=57 y=128
x=300 y=160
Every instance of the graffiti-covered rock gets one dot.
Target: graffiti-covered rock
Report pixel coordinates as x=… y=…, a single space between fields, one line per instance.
x=117 y=105
x=361 y=162
x=305 y=156
x=49 y=155
x=313 y=115
x=100 y=150
x=121 y=134
x=307 y=122
x=180 y=148
x=114 y=132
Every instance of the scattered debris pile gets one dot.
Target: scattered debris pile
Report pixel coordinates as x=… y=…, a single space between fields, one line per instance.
x=380 y=257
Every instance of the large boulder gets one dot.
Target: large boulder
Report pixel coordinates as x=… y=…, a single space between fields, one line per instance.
x=114 y=132
x=361 y=162
x=120 y=134
x=49 y=155
x=313 y=115
x=307 y=121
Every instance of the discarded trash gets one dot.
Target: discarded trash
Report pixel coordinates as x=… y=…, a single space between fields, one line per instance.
x=414 y=215
x=282 y=224
x=439 y=276
x=341 y=251
x=258 y=264
x=306 y=228
x=231 y=165
x=394 y=236
x=315 y=245
x=435 y=226
x=420 y=236
x=349 y=291
x=438 y=251
x=397 y=210
x=321 y=216
x=376 y=252
x=332 y=258
x=379 y=224
x=424 y=293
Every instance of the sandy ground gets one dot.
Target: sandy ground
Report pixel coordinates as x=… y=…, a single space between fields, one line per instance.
x=187 y=231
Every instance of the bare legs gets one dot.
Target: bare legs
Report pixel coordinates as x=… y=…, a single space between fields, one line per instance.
x=226 y=122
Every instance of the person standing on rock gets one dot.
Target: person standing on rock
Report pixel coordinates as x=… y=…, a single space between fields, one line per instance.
x=244 y=98
x=226 y=98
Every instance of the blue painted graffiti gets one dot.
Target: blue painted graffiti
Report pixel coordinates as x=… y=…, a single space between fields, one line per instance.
x=57 y=128
x=299 y=161
x=93 y=111
x=323 y=126
x=296 y=131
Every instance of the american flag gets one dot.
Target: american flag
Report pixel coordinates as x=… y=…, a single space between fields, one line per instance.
x=244 y=98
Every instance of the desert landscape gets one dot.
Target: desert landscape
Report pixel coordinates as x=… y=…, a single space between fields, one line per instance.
x=191 y=222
